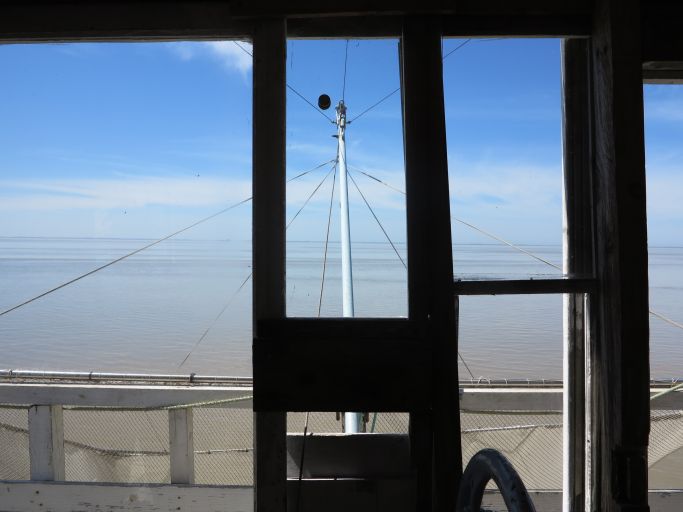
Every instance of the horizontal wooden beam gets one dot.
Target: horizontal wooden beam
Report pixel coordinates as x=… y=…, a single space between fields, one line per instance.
x=367 y=495
x=349 y=456
x=662 y=37
x=335 y=329
x=472 y=398
x=523 y=286
x=390 y=26
x=41 y=20
x=663 y=72
x=105 y=20
x=120 y=395
x=341 y=365
x=359 y=495
x=86 y=497
x=510 y=399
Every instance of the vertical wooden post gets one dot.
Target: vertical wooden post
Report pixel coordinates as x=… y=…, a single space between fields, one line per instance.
x=46 y=442
x=181 y=444
x=577 y=260
x=620 y=357
x=269 y=75
x=430 y=258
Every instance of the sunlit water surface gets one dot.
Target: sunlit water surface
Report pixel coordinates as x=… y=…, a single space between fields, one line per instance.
x=145 y=314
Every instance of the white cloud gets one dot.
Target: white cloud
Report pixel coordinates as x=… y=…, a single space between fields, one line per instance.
x=520 y=186
x=124 y=193
x=228 y=53
x=232 y=56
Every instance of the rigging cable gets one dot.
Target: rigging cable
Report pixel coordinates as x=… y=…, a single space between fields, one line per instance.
x=102 y=267
x=397 y=254
x=377 y=220
x=148 y=246
x=320 y=303
x=515 y=247
x=399 y=88
x=346 y=60
x=201 y=338
x=311 y=195
x=246 y=280
x=327 y=240
x=455 y=49
x=289 y=86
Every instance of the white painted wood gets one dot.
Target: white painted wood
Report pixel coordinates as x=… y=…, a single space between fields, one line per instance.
x=46 y=442
x=670 y=402
x=82 y=497
x=121 y=395
x=510 y=399
x=471 y=399
x=551 y=501
x=542 y=399
x=181 y=446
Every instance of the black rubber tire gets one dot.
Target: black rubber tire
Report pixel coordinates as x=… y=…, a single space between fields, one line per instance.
x=489 y=465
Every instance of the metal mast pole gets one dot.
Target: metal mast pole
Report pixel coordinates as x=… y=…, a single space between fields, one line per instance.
x=351 y=419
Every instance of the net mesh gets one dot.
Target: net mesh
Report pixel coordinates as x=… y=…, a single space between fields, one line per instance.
x=132 y=446
x=14 y=457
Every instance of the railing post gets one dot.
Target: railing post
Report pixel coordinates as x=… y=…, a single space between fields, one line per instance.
x=46 y=442
x=181 y=445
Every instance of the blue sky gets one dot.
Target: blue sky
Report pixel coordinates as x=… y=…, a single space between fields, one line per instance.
x=138 y=140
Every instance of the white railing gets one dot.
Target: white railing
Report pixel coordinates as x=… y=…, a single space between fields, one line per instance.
x=46 y=396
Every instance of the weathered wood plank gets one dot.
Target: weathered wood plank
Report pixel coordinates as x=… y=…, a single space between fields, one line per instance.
x=268 y=241
x=324 y=330
x=181 y=445
x=430 y=260
x=349 y=456
x=523 y=286
x=358 y=495
x=85 y=497
x=367 y=496
x=46 y=442
x=662 y=38
x=620 y=355
x=101 y=395
x=342 y=374
x=662 y=76
x=466 y=25
x=144 y=20
x=551 y=501
x=311 y=364
x=510 y=399
x=577 y=259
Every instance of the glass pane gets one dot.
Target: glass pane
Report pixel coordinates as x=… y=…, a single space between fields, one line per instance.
x=663 y=132
x=364 y=74
x=503 y=125
x=125 y=247
x=107 y=149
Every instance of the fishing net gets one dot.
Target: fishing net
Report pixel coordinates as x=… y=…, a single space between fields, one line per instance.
x=103 y=445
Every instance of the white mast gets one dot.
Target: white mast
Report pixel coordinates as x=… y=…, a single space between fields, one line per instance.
x=351 y=419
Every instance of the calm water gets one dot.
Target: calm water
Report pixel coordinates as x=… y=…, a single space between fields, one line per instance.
x=146 y=313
